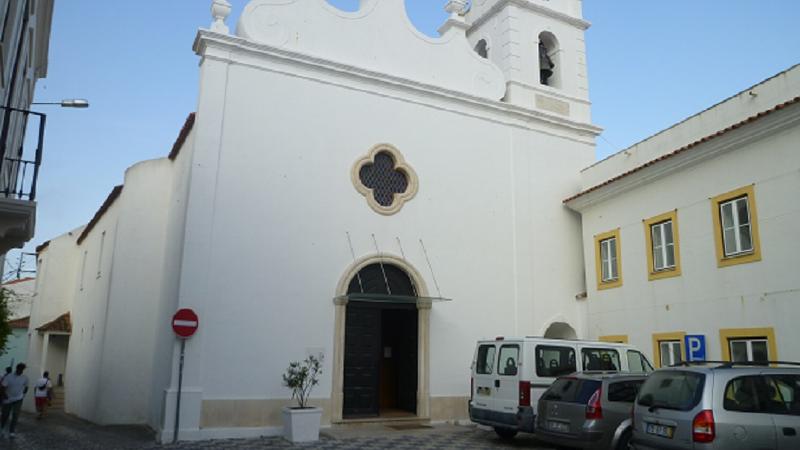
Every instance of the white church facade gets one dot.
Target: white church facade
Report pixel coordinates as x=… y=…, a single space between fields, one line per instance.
x=350 y=187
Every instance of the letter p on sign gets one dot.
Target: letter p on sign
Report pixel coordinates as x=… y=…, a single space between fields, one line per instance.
x=695 y=347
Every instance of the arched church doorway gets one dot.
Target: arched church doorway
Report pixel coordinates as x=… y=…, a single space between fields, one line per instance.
x=381 y=344
x=560 y=330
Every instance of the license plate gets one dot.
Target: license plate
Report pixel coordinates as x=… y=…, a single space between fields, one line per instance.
x=560 y=427
x=660 y=430
x=484 y=390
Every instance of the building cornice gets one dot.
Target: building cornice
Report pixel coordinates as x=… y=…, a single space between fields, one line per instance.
x=756 y=127
x=530 y=6
x=44 y=20
x=230 y=49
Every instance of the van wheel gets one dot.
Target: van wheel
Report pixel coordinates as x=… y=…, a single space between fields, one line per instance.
x=505 y=433
x=624 y=441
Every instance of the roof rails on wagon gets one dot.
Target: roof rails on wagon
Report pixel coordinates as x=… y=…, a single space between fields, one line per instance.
x=729 y=364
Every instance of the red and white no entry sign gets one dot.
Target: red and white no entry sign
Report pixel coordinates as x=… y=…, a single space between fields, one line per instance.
x=185 y=323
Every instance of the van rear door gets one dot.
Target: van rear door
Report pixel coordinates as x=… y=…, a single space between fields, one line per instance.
x=507 y=382
x=483 y=376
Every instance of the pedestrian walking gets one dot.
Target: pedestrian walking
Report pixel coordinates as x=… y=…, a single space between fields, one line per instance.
x=43 y=393
x=15 y=386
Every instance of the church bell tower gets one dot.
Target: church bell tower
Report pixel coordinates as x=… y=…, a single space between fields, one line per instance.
x=539 y=45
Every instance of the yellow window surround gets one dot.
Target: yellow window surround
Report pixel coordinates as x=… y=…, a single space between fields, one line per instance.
x=672 y=336
x=768 y=333
x=615 y=338
x=652 y=273
x=748 y=257
x=598 y=239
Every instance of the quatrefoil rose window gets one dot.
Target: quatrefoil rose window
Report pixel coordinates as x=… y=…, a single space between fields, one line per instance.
x=384 y=179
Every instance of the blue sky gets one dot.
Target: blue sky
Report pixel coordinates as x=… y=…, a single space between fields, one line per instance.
x=651 y=64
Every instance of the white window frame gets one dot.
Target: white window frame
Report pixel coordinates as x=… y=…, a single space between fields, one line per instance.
x=83 y=266
x=749 y=343
x=100 y=255
x=608 y=265
x=736 y=227
x=673 y=350
x=666 y=247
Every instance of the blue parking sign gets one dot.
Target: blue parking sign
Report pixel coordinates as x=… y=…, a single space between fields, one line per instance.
x=695 y=347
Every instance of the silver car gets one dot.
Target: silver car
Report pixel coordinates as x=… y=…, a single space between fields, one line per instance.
x=725 y=406
x=588 y=410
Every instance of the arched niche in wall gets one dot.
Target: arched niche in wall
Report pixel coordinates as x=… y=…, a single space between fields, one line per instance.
x=482 y=48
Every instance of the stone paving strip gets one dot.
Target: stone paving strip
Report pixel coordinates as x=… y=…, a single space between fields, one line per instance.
x=60 y=431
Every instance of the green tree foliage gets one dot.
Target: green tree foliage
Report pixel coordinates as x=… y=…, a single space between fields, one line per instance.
x=5 y=313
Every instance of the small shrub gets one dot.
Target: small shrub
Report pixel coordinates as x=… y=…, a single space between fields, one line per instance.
x=301 y=377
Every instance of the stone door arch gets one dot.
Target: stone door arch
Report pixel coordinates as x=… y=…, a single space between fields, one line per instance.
x=370 y=275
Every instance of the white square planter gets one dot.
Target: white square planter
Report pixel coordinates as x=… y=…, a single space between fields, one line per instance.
x=301 y=425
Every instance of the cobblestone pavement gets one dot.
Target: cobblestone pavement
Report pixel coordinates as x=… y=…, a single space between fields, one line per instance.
x=60 y=431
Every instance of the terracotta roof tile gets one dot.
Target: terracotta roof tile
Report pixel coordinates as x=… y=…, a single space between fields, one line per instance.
x=21 y=280
x=22 y=322
x=112 y=196
x=62 y=323
x=42 y=246
x=176 y=147
x=686 y=148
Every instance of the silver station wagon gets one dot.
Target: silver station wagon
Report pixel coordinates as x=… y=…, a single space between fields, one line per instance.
x=725 y=406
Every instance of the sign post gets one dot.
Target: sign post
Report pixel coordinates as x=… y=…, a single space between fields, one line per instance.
x=184 y=324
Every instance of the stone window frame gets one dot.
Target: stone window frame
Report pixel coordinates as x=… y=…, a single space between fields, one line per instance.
x=400 y=165
x=728 y=334
x=753 y=255
x=674 y=336
x=665 y=272
x=598 y=242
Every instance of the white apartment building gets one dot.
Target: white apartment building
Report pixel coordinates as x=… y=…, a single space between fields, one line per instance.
x=690 y=232
x=24 y=45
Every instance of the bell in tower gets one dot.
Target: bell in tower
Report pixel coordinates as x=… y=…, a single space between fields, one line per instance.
x=546 y=65
x=540 y=47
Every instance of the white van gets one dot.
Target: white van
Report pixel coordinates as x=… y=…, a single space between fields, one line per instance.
x=510 y=374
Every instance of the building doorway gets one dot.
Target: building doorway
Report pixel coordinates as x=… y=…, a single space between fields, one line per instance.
x=381 y=344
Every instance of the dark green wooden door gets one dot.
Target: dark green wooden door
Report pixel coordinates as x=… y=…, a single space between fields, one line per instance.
x=361 y=361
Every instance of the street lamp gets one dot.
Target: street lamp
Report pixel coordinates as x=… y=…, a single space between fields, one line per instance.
x=67 y=103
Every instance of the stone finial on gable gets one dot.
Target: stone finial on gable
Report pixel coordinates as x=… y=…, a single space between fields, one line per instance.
x=220 y=9
x=457 y=10
x=457 y=7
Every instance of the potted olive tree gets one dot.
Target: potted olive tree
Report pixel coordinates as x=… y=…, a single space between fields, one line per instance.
x=301 y=423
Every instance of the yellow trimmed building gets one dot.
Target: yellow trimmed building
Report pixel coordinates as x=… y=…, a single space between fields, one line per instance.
x=689 y=236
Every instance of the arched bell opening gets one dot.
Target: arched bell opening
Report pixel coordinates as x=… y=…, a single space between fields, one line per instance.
x=549 y=60
x=482 y=49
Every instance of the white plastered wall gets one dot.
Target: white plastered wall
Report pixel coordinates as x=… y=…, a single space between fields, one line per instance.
x=57 y=272
x=89 y=314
